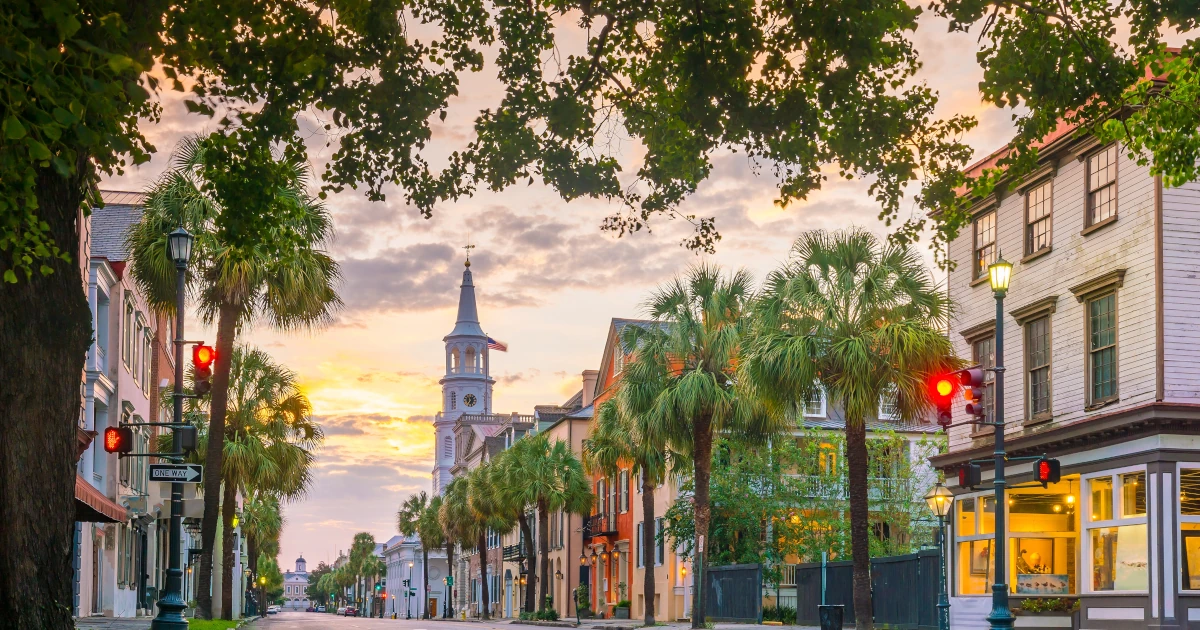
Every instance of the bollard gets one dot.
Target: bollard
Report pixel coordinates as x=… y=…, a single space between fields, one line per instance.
x=830 y=616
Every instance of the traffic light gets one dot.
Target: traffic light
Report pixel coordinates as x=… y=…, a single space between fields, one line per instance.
x=118 y=439
x=378 y=587
x=187 y=438
x=202 y=359
x=969 y=475
x=943 y=394
x=1046 y=471
x=972 y=384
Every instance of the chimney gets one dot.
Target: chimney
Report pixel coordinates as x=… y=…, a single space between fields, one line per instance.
x=589 y=386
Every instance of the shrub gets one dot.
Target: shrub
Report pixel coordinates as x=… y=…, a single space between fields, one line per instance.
x=784 y=614
x=547 y=614
x=1049 y=604
x=624 y=603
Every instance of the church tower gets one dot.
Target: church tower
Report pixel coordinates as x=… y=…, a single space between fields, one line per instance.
x=467 y=384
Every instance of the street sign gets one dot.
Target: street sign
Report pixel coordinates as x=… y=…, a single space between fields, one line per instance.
x=183 y=473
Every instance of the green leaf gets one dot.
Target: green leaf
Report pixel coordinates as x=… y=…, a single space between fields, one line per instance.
x=38 y=150
x=9 y=276
x=119 y=63
x=13 y=129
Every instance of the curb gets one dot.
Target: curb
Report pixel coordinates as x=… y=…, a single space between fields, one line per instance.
x=545 y=624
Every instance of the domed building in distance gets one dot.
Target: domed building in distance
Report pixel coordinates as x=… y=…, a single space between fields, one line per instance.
x=295 y=585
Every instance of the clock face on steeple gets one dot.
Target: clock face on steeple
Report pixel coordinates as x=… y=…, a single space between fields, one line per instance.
x=469 y=400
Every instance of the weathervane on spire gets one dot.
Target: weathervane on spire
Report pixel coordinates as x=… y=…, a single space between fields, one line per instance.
x=468 y=247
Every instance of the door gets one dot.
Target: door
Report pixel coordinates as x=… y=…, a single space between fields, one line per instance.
x=97 y=556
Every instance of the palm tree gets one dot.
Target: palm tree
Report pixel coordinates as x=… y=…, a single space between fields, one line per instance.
x=536 y=472
x=418 y=515
x=429 y=528
x=261 y=522
x=270 y=440
x=248 y=263
x=862 y=320
x=621 y=435
x=686 y=362
x=488 y=513
x=362 y=559
x=457 y=521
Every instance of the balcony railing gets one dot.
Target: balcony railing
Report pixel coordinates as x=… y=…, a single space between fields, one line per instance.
x=514 y=552
x=835 y=488
x=600 y=525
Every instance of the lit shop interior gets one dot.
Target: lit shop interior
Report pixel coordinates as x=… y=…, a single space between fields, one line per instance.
x=1085 y=534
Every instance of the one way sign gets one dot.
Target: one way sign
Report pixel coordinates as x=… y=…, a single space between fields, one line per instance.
x=183 y=473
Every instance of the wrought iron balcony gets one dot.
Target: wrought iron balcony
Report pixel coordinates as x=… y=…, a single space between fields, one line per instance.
x=600 y=525
x=514 y=552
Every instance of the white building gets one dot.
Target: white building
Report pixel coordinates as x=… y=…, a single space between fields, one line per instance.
x=404 y=562
x=295 y=587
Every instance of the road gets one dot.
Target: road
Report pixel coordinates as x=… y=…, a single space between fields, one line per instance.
x=318 y=621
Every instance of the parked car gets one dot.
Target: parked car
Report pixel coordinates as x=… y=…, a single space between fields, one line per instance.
x=341 y=610
x=320 y=609
x=274 y=609
x=351 y=611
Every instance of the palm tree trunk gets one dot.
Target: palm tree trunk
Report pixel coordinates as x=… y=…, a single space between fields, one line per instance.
x=860 y=549
x=252 y=551
x=648 y=547
x=702 y=441
x=227 y=317
x=228 y=508
x=45 y=330
x=450 y=572
x=485 y=604
x=425 y=581
x=543 y=555
x=527 y=534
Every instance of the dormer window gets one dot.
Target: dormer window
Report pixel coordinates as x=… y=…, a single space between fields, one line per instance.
x=618 y=359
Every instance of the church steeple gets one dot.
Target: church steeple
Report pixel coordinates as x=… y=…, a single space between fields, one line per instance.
x=468 y=313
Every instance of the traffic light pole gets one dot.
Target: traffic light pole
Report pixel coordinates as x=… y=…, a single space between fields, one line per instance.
x=171 y=606
x=1001 y=617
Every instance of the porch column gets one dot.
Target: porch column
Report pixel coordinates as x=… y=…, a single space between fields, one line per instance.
x=1164 y=542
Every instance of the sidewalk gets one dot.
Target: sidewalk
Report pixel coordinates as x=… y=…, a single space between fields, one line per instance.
x=635 y=624
x=113 y=623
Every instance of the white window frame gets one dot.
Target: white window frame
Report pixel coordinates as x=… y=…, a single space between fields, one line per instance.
x=888 y=390
x=1086 y=524
x=638 y=537
x=1182 y=518
x=623 y=491
x=956 y=588
x=824 y=413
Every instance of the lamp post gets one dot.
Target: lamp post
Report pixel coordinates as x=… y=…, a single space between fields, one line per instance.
x=170 y=607
x=408 y=592
x=1001 y=618
x=939 y=500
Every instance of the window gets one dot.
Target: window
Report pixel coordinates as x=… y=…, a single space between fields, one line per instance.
x=448 y=447
x=1102 y=349
x=127 y=333
x=1037 y=367
x=985 y=243
x=983 y=353
x=1116 y=537
x=618 y=358
x=148 y=347
x=827 y=458
x=1044 y=543
x=601 y=498
x=623 y=491
x=453 y=400
x=1038 y=207
x=637 y=553
x=888 y=409
x=814 y=405
x=1189 y=525
x=975 y=531
x=1102 y=185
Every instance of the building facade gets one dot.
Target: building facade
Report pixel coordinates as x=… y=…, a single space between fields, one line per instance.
x=295 y=587
x=1099 y=372
x=405 y=562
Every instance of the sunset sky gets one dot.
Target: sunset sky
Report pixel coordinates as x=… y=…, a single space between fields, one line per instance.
x=548 y=282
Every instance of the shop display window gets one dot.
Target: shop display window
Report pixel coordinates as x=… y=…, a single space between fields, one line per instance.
x=1044 y=560
x=1117 y=552
x=977 y=567
x=966 y=517
x=1189 y=528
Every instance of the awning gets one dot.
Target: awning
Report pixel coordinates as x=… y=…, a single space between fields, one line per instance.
x=91 y=506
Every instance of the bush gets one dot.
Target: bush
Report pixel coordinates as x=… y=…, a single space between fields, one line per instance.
x=547 y=614
x=785 y=614
x=1049 y=604
x=526 y=615
x=624 y=603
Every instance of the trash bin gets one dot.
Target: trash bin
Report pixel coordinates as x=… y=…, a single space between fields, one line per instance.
x=830 y=616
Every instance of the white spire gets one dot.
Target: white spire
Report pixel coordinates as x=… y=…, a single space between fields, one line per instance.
x=468 y=314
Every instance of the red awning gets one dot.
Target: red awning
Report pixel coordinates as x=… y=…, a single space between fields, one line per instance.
x=92 y=506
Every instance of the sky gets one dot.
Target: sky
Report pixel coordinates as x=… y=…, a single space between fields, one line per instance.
x=548 y=282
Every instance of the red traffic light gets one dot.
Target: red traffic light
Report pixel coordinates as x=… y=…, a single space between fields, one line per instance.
x=118 y=439
x=203 y=356
x=1047 y=470
x=942 y=390
x=969 y=476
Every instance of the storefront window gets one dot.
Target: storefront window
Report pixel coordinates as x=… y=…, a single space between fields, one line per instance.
x=977 y=567
x=1043 y=563
x=1189 y=527
x=1190 y=541
x=966 y=517
x=987 y=515
x=1101 y=489
x=1118 y=548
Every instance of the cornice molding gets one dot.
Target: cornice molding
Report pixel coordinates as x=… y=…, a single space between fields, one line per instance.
x=978 y=331
x=1111 y=280
x=1044 y=306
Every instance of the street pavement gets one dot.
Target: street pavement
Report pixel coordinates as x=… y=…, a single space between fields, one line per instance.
x=317 y=621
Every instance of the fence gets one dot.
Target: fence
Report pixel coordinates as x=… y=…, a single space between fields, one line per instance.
x=733 y=593
x=904 y=590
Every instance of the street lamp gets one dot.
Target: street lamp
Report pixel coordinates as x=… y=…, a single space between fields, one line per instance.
x=939 y=500
x=1001 y=618
x=583 y=561
x=408 y=593
x=170 y=607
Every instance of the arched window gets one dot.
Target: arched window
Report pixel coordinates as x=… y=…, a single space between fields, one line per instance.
x=453 y=400
x=470 y=362
x=454 y=362
x=448 y=448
